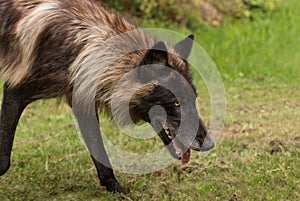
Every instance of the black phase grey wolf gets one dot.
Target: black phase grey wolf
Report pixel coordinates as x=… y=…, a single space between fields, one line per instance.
x=44 y=44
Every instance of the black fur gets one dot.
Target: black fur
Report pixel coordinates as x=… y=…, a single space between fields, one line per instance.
x=9 y=17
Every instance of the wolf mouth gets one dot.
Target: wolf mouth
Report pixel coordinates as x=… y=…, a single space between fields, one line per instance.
x=177 y=149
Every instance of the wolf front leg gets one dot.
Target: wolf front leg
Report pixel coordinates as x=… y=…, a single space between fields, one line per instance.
x=13 y=104
x=107 y=178
x=90 y=131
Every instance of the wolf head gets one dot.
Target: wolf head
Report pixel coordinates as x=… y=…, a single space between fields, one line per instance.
x=171 y=105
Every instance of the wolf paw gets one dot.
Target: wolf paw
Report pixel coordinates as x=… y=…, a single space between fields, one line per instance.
x=114 y=186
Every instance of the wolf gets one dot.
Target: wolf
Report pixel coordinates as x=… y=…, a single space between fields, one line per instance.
x=46 y=44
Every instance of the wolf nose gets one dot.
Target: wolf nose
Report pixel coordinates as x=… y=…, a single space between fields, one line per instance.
x=208 y=144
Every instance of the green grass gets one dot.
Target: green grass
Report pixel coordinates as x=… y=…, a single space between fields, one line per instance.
x=257 y=157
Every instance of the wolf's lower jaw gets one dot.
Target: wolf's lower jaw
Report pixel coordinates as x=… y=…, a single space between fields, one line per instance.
x=181 y=151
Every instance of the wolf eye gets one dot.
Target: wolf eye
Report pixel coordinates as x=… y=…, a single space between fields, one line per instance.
x=176 y=104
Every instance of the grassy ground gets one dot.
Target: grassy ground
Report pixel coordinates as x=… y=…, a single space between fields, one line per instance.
x=257 y=157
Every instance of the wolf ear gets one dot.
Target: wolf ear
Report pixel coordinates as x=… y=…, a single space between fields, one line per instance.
x=156 y=55
x=184 y=47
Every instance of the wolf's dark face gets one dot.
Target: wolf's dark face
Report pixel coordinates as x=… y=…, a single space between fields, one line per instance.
x=171 y=106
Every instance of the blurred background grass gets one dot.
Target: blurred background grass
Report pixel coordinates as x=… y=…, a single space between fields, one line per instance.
x=191 y=13
x=244 y=37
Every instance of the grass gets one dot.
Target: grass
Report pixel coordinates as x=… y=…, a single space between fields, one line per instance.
x=257 y=157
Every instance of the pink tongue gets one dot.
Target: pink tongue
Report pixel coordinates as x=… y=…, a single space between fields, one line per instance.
x=185 y=156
